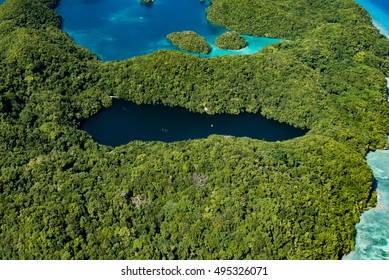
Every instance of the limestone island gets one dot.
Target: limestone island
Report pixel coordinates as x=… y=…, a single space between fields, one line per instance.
x=146 y=1
x=230 y=41
x=189 y=41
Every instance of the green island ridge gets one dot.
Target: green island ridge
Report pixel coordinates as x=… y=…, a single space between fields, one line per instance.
x=64 y=196
x=230 y=41
x=189 y=41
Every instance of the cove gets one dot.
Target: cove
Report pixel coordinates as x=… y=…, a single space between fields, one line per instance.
x=120 y=29
x=372 y=238
x=125 y=121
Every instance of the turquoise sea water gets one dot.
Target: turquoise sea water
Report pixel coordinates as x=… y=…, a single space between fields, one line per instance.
x=120 y=29
x=372 y=239
x=379 y=11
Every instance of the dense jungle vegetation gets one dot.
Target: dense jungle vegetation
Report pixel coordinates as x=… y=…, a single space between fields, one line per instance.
x=64 y=196
x=230 y=41
x=189 y=41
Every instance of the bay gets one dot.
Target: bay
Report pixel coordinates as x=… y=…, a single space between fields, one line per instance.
x=120 y=29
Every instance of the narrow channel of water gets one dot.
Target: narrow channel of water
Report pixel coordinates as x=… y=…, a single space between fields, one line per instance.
x=125 y=121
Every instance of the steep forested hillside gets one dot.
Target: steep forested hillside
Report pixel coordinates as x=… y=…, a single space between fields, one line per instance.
x=64 y=196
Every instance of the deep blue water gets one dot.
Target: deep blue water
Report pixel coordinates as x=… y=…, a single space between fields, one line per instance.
x=2 y=1
x=126 y=121
x=120 y=29
x=372 y=239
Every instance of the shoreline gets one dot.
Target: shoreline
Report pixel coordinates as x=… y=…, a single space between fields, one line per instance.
x=377 y=15
x=381 y=28
x=92 y=38
x=364 y=238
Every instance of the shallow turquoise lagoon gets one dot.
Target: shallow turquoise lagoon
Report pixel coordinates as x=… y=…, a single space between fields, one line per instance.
x=120 y=29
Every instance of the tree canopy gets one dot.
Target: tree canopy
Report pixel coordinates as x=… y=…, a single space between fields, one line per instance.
x=189 y=41
x=64 y=196
x=230 y=41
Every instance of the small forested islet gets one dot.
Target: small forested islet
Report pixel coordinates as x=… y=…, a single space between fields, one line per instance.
x=189 y=41
x=230 y=41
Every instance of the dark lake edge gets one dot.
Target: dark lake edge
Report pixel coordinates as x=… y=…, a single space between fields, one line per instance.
x=126 y=121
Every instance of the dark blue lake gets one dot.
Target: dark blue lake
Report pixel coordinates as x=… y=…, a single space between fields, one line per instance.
x=120 y=29
x=126 y=121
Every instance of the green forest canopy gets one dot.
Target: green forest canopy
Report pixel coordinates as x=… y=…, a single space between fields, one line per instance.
x=230 y=40
x=63 y=196
x=189 y=41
